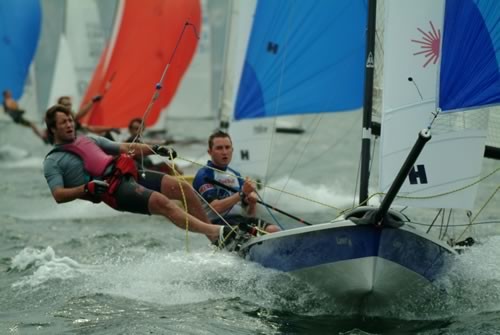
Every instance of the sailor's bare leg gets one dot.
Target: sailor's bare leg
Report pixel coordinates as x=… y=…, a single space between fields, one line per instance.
x=171 y=188
x=161 y=205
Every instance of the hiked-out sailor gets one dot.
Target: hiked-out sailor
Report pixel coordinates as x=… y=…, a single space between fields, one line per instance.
x=235 y=207
x=97 y=169
x=12 y=109
x=99 y=130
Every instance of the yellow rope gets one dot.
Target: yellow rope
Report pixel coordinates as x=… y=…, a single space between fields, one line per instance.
x=184 y=200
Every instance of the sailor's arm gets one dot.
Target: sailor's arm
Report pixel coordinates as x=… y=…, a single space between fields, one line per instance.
x=54 y=176
x=87 y=191
x=222 y=205
x=62 y=194
x=87 y=107
x=248 y=202
x=249 y=198
x=137 y=149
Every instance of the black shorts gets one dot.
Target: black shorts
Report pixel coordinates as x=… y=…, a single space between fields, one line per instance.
x=133 y=196
x=17 y=117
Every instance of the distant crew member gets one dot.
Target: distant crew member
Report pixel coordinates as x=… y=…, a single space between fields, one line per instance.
x=12 y=109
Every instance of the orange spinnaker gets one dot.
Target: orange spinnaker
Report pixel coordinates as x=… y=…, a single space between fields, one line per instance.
x=130 y=68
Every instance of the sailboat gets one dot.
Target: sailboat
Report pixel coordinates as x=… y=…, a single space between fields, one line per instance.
x=144 y=40
x=85 y=37
x=371 y=256
x=64 y=82
x=20 y=31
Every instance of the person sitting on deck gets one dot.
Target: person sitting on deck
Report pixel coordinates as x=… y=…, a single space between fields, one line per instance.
x=97 y=169
x=231 y=206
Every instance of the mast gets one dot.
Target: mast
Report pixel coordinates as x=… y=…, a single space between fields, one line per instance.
x=367 y=104
x=223 y=119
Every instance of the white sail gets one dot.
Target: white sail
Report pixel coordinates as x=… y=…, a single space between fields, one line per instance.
x=29 y=99
x=85 y=37
x=64 y=81
x=193 y=97
x=239 y=28
x=413 y=31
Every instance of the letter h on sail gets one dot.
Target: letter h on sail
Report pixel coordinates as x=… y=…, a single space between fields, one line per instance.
x=245 y=155
x=418 y=173
x=272 y=47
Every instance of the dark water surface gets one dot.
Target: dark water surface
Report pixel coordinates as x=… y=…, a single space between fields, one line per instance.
x=85 y=269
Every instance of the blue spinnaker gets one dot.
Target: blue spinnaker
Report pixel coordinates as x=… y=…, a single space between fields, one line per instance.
x=304 y=57
x=20 y=24
x=470 y=73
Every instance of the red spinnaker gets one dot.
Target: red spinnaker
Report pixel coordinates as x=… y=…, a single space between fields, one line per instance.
x=132 y=64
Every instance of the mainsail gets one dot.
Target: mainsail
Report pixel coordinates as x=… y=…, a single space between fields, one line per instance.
x=289 y=70
x=145 y=39
x=283 y=73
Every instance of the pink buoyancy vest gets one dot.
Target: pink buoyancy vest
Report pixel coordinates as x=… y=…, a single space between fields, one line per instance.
x=95 y=160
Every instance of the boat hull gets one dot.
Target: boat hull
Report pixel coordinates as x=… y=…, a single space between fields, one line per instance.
x=358 y=265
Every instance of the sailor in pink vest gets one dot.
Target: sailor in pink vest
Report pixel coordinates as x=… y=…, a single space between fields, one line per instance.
x=97 y=169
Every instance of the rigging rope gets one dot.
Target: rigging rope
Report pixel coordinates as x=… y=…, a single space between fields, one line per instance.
x=155 y=96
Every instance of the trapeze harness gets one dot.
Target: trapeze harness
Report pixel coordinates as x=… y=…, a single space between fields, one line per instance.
x=97 y=163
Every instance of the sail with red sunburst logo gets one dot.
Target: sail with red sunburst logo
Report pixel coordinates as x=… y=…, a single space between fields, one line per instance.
x=438 y=56
x=148 y=36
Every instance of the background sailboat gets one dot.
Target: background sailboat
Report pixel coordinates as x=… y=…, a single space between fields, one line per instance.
x=192 y=101
x=20 y=34
x=86 y=38
x=64 y=81
x=142 y=45
x=20 y=31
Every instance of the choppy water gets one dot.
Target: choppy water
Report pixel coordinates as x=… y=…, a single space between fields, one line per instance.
x=85 y=269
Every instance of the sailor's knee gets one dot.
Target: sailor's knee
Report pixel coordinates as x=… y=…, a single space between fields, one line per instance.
x=159 y=203
x=174 y=186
